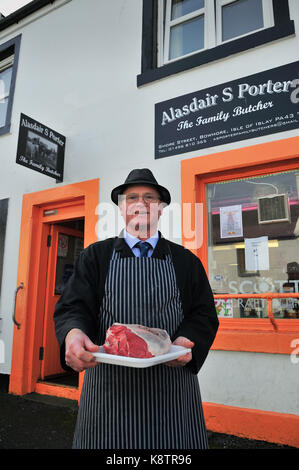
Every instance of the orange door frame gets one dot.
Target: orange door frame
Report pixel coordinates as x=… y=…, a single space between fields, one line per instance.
x=78 y=200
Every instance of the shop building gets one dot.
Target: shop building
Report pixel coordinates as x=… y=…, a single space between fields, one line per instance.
x=205 y=94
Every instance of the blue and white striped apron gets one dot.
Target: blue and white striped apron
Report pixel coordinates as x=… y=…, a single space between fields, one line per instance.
x=156 y=407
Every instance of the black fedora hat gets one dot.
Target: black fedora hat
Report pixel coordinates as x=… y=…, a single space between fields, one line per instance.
x=141 y=176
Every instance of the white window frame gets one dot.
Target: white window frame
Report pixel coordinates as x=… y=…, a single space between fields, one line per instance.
x=207 y=12
x=5 y=64
x=268 y=19
x=212 y=26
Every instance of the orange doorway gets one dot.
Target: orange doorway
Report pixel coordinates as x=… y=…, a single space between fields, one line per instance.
x=56 y=225
x=64 y=245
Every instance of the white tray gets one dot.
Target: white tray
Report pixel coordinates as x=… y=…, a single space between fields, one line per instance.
x=174 y=352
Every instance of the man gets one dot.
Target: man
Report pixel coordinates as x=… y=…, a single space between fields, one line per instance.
x=160 y=285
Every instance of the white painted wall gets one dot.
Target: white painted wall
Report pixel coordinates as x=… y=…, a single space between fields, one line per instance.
x=77 y=74
x=267 y=382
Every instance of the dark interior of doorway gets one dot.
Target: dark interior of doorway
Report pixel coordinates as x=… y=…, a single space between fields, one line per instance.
x=68 y=378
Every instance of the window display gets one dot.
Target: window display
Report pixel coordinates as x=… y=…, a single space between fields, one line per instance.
x=247 y=255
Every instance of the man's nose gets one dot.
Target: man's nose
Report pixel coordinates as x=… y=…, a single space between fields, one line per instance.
x=140 y=200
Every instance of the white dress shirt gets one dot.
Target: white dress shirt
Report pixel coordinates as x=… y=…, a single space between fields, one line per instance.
x=131 y=241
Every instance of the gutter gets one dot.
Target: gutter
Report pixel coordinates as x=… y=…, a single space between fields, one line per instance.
x=23 y=12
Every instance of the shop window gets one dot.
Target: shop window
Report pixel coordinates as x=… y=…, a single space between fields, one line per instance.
x=181 y=34
x=9 y=53
x=253 y=244
x=3 y=218
x=249 y=250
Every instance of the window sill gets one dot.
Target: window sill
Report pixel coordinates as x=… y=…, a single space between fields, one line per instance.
x=257 y=335
x=220 y=52
x=5 y=129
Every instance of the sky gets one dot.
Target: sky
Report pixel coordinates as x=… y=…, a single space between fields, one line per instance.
x=9 y=6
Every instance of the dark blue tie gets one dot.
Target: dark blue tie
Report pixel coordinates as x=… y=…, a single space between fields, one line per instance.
x=143 y=247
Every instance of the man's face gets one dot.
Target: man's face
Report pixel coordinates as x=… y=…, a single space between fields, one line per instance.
x=141 y=209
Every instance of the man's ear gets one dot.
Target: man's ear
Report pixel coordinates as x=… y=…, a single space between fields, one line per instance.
x=122 y=204
x=162 y=205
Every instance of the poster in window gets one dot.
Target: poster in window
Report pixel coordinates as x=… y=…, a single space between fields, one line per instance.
x=231 y=224
x=63 y=245
x=224 y=308
x=257 y=254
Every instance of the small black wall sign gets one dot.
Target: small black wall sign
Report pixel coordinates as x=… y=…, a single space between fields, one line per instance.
x=253 y=106
x=40 y=148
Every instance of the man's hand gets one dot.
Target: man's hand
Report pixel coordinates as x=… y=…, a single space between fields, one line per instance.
x=182 y=360
x=78 y=349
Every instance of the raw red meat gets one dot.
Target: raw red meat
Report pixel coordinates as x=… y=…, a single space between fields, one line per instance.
x=136 y=341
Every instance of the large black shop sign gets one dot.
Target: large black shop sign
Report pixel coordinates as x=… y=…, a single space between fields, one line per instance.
x=40 y=148
x=257 y=105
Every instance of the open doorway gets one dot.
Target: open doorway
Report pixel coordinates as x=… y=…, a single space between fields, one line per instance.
x=65 y=242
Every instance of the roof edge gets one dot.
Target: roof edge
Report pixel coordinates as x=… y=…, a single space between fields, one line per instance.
x=23 y=12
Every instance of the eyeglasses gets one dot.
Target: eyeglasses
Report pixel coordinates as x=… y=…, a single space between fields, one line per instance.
x=147 y=198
